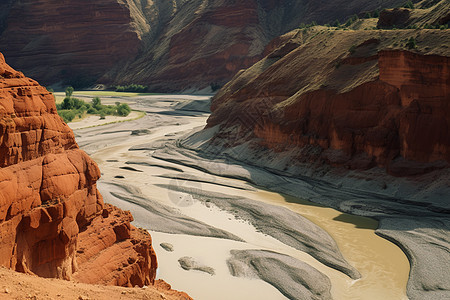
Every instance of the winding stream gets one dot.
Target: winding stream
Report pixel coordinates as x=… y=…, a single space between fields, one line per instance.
x=125 y=150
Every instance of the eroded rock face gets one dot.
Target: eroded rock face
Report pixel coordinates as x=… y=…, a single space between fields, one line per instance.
x=372 y=107
x=53 y=222
x=169 y=45
x=74 y=40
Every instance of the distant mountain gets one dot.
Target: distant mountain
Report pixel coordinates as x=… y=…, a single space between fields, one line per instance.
x=169 y=45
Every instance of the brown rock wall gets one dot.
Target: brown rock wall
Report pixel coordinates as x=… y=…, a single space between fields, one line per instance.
x=375 y=107
x=53 y=222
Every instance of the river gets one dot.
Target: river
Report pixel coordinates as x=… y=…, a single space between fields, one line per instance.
x=125 y=153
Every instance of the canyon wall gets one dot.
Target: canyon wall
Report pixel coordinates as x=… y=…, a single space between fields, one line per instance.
x=53 y=221
x=168 y=45
x=74 y=40
x=353 y=99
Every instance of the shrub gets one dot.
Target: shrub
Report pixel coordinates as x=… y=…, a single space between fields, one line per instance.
x=77 y=103
x=136 y=88
x=411 y=44
x=336 y=23
x=96 y=103
x=67 y=103
x=409 y=5
x=69 y=91
x=92 y=111
x=352 y=49
x=123 y=109
x=351 y=20
x=67 y=115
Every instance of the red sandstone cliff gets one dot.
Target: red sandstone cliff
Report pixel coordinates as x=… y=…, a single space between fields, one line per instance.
x=372 y=106
x=165 y=44
x=53 y=222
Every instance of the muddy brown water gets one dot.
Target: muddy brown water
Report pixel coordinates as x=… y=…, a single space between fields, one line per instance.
x=383 y=266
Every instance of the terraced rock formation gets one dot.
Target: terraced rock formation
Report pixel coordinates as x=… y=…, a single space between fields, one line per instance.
x=53 y=222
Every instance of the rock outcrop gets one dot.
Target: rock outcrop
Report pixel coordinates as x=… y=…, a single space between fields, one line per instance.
x=425 y=14
x=53 y=222
x=169 y=45
x=353 y=99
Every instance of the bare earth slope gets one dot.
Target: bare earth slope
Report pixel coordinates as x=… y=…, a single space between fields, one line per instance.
x=169 y=45
x=348 y=98
x=53 y=222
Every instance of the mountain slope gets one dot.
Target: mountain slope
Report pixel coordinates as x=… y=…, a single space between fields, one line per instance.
x=353 y=98
x=168 y=45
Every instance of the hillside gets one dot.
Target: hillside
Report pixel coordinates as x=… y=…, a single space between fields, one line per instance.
x=354 y=98
x=168 y=45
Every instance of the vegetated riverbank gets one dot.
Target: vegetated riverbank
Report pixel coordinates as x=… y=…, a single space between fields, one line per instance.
x=145 y=170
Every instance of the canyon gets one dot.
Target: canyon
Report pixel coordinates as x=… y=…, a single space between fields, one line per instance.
x=53 y=221
x=320 y=169
x=167 y=45
x=372 y=105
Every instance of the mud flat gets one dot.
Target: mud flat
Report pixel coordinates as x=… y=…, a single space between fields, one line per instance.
x=236 y=219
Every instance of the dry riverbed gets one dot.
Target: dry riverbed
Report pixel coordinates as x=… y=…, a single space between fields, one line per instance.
x=218 y=233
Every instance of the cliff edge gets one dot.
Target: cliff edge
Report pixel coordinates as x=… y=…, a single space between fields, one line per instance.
x=53 y=221
x=346 y=98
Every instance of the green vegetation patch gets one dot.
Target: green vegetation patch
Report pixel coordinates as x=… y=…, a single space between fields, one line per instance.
x=71 y=108
x=134 y=88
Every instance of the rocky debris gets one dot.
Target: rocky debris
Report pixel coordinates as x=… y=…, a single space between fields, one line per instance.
x=52 y=217
x=189 y=263
x=167 y=246
x=140 y=132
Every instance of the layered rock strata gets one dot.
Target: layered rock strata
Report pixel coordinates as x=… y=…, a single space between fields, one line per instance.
x=53 y=222
x=345 y=98
x=169 y=45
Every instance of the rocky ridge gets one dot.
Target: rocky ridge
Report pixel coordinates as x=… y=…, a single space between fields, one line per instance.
x=168 y=45
x=53 y=222
x=371 y=104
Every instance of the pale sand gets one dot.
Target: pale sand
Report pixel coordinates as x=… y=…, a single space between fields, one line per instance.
x=94 y=120
x=383 y=266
